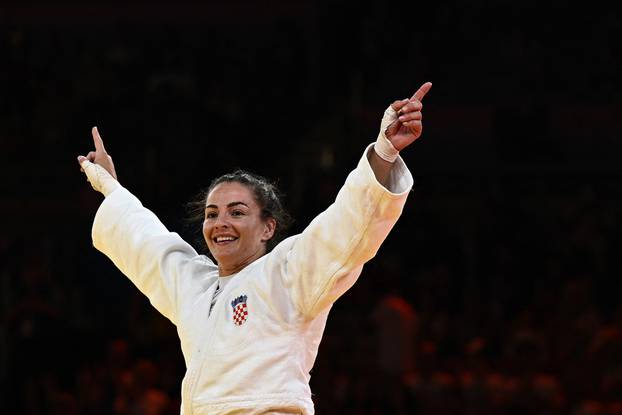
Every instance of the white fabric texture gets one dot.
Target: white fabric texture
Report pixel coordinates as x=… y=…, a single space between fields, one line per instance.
x=263 y=364
x=220 y=285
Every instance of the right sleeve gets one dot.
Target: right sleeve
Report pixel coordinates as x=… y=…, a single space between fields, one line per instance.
x=327 y=257
x=160 y=263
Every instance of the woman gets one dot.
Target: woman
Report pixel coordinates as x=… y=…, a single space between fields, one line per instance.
x=251 y=323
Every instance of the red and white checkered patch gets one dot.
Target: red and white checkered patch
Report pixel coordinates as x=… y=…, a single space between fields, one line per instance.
x=240 y=314
x=240 y=310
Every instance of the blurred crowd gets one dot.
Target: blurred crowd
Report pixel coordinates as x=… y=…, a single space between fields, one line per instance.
x=497 y=293
x=505 y=309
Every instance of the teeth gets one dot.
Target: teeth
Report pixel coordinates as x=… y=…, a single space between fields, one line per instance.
x=224 y=238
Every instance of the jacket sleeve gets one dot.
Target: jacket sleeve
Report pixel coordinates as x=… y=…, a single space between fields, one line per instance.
x=155 y=260
x=328 y=256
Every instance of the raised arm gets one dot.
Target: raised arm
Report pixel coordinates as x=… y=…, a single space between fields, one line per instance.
x=160 y=263
x=327 y=258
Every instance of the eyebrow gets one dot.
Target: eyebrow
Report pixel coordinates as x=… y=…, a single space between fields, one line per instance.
x=229 y=205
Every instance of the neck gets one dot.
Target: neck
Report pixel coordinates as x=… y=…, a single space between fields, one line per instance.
x=226 y=269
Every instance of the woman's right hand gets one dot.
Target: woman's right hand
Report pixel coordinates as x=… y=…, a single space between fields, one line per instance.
x=99 y=156
x=98 y=167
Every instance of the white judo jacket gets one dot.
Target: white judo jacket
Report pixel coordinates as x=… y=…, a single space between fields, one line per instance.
x=254 y=352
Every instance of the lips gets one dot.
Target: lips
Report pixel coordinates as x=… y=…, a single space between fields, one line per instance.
x=224 y=239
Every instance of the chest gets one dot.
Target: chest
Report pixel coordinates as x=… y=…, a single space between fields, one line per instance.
x=243 y=312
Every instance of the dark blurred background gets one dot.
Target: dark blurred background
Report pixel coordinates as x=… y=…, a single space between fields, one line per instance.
x=499 y=290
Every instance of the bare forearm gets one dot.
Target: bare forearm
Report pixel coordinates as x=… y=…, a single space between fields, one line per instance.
x=381 y=167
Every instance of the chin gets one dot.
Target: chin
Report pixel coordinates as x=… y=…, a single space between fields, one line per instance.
x=222 y=257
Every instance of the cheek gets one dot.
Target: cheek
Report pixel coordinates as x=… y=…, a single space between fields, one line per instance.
x=206 y=230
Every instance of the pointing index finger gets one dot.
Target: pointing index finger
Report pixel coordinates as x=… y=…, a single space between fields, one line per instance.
x=97 y=140
x=422 y=91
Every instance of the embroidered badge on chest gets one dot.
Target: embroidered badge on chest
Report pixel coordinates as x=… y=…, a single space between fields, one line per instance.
x=240 y=310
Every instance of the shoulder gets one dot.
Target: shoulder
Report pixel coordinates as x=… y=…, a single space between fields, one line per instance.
x=201 y=260
x=280 y=252
x=200 y=273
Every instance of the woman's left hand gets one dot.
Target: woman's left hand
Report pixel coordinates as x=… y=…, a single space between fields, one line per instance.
x=406 y=124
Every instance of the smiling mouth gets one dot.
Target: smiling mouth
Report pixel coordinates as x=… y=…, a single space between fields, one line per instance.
x=223 y=240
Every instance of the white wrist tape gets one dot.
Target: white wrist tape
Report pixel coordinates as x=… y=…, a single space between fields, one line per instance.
x=383 y=146
x=100 y=179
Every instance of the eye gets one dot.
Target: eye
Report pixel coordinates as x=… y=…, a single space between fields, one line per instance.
x=210 y=215
x=237 y=213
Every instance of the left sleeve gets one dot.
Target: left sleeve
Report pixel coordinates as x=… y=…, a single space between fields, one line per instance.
x=327 y=258
x=162 y=266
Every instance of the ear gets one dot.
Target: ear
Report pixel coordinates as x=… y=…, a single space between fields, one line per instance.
x=269 y=228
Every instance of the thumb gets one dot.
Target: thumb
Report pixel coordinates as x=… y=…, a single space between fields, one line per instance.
x=100 y=179
x=82 y=159
x=84 y=162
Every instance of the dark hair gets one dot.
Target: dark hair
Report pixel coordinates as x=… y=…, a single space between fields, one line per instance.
x=266 y=194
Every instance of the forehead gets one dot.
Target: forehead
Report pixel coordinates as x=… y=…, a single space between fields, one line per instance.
x=228 y=192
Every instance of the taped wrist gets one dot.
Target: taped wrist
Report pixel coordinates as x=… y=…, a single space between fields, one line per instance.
x=383 y=147
x=100 y=179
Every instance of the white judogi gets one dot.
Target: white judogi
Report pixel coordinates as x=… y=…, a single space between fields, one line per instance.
x=254 y=352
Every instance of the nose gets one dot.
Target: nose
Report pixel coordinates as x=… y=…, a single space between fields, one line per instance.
x=221 y=222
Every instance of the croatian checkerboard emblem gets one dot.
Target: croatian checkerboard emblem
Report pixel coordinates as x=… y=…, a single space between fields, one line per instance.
x=240 y=310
